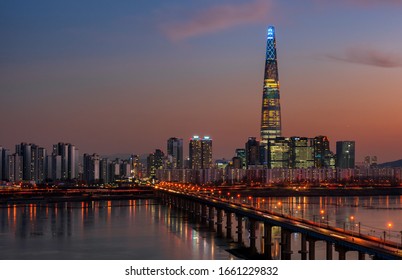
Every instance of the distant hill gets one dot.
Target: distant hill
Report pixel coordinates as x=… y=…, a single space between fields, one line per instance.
x=397 y=163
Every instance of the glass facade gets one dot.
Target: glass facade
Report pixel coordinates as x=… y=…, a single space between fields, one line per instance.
x=345 y=154
x=271 y=110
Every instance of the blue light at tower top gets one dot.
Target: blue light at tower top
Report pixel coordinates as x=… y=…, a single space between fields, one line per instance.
x=271 y=33
x=271 y=48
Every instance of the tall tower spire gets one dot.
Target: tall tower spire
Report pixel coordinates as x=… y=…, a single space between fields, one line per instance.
x=271 y=109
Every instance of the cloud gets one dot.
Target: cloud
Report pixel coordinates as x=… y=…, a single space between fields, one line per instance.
x=219 y=18
x=369 y=57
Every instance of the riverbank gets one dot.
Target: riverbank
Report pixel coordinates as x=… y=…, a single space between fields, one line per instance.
x=94 y=194
x=26 y=196
x=310 y=191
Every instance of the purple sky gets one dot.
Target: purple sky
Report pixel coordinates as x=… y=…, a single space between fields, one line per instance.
x=124 y=77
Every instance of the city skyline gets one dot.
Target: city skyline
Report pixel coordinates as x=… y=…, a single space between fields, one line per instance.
x=123 y=79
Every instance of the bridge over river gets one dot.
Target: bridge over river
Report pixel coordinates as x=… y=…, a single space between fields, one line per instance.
x=212 y=211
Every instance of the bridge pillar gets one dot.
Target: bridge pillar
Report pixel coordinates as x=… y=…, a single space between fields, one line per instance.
x=229 y=225
x=329 y=250
x=203 y=214
x=192 y=210
x=342 y=252
x=362 y=255
x=268 y=241
x=211 y=218
x=311 y=248
x=303 y=250
x=197 y=212
x=219 y=222
x=253 y=237
x=286 y=249
x=239 y=229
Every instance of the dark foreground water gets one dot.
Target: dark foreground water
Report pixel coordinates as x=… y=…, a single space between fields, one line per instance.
x=146 y=230
x=117 y=230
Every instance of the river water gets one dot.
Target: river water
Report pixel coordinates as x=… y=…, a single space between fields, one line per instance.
x=147 y=230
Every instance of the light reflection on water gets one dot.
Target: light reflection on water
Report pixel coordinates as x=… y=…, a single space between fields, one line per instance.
x=369 y=215
x=135 y=229
x=143 y=229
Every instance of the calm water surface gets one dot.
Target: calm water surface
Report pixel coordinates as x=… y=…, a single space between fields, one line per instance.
x=144 y=229
x=136 y=229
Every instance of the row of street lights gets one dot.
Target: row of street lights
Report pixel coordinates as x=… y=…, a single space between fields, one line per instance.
x=322 y=217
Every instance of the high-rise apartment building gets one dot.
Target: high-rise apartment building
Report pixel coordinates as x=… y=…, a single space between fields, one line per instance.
x=33 y=161
x=207 y=152
x=195 y=152
x=3 y=162
x=91 y=168
x=104 y=171
x=15 y=167
x=345 y=154
x=271 y=109
x=200 y=152
x=175 y=152
x=69 y=160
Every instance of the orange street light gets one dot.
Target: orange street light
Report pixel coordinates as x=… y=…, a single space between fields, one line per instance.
x=389 y=229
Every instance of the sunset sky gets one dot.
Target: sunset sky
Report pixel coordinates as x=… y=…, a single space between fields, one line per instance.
x=124 y=76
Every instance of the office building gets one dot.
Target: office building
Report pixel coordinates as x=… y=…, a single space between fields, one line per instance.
x=271 y=109
x=241 y=154
x=301 y=152
x=279 y=153
x=252 y=152
x=155 y=161
x=175 y=153
x=345 y=154
x=323 y=157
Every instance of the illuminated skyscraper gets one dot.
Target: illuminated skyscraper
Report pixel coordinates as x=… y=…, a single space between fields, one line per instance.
x=301 y=152
x=271 y=109
x=200 y=152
